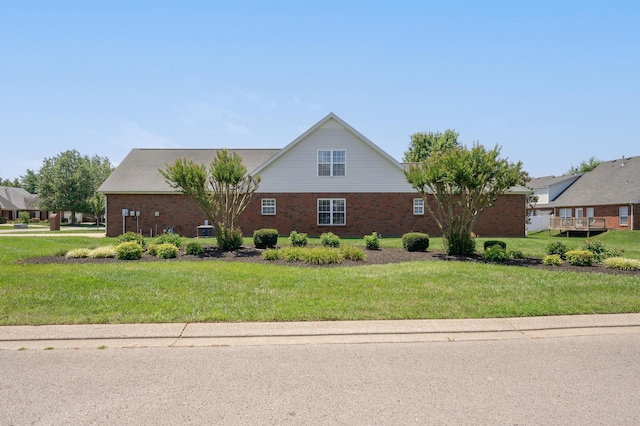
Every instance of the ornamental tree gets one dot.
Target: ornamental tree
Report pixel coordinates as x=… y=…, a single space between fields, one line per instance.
x=222 y=191
x=424 y=144
x=463 y=183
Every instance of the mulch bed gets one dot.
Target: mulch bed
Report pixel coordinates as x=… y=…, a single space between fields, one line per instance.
x=374 y=257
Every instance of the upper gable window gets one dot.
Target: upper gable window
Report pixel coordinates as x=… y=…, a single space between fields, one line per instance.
x=332 y=163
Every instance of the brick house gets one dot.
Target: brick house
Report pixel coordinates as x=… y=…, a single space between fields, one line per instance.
x=330 y=178
x=604 y=198
x=13 y=201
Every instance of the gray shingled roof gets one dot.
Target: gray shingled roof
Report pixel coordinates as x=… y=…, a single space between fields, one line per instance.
x=609 y=183
x=14 y=199
x=138 y=172
x=545 y=181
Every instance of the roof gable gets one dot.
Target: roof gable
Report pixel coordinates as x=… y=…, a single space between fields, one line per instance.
x=17 y=199
x=612 y=182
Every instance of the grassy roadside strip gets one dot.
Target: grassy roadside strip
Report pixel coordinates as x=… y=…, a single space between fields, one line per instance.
x=228 y=291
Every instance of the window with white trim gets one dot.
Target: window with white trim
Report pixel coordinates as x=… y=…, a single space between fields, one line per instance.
x=268 y=206
x=590 y=212
x=332 y=211
x=418 y=206
x=332 y=163
x=624 y=215
x=564 y=213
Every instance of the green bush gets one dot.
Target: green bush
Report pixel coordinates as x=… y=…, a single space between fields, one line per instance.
x=298 y=239
x=103 y=252
x=24 y=217
x=129 y=250
x=415 y=241
x=622 y=263
x=600 y=252
x=579 y=257
x=169 y=238
x=3 y=220
x=491 y=243
x=34 y=220
x=166 y=251
x=78 y=253
x=353 y=253
x=329 y=239
x=372 y=242
x=265 y=238
x=231 y=239
x=131 y=236
x=271 y=254
x=321 y=255
x=552 y=260
x=557 y=247
x=152 y=249
x=496 y=253
x=194 y=248
x=516 y=254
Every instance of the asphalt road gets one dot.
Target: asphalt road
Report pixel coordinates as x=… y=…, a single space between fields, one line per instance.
x=564 y=380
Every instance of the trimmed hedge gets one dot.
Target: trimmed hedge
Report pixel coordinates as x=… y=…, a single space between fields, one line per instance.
x=491 y=243
x=167 y=238
x=194 y=248
x=372 y=242
x=415 y=241
x=298 y=239
x=166 y=251
x=129 y=250
x=265 y=238
x=131 y=236
x=580 y=257
x=329 y=239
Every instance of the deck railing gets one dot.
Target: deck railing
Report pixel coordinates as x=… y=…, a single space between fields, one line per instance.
x=577 y=223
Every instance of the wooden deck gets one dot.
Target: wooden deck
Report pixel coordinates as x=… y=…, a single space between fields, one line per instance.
x=578 y=224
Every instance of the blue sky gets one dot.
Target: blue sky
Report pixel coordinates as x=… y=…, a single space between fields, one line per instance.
x=552 y=82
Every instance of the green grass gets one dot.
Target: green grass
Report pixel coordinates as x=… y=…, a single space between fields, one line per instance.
x=204 y=291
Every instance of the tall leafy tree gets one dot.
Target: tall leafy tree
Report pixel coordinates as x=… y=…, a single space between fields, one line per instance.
x=424 y=144
x=29 y=181
x=97 y=207
x=222 y=192
x=584 y=166
x=67 y=182
x=463 y=183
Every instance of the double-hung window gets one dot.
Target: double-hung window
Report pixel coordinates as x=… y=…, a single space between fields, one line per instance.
x=624 y=216
x=332 y=163
x=332 y=211
x=418 y=206
x=268 y=206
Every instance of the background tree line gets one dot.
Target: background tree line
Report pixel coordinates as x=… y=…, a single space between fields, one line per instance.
x=67 y=182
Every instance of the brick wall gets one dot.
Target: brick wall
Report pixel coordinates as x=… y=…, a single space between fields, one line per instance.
x=389 y=214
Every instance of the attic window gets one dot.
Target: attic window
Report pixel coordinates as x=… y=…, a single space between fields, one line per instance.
x=332 y=163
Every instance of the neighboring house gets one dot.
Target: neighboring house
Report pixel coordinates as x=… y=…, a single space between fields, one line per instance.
x=604 y=198
x=330 y=178
x=16 y=200
x=547 y=189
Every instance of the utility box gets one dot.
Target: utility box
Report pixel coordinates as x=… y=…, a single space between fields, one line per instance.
x=54 y=222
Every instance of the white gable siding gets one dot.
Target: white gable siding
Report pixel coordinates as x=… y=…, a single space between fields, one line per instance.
x=366 y=169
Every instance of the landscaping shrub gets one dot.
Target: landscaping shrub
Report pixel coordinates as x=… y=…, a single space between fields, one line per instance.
x=557 y=247
x=131 y=236
x=415 y=241
x=78 y=253
x=60 y=252
x=265 y=238
x=353 y=253
x=3 y=220
x=103 y=252
x=490 y=243
x=129 y=250
x=271 y=254
x=230 y=239
x=298 y=239
x=622 y=263
x=152 y=249
x=516 y=254
x=24 y=217
x=34 y=220
x=600 y=252
x=552 y=260
x=322 y=256
x=372 y=242
x=292 y=254
x=579 y=257
x=194 y=248
x=166 y=251
x=496 y=253
x=329 y=239
x=169 y=238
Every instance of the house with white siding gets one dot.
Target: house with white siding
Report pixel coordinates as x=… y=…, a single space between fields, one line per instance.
x=330 y=178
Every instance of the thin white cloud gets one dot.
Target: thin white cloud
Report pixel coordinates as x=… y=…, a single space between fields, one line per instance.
x=131 y=135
